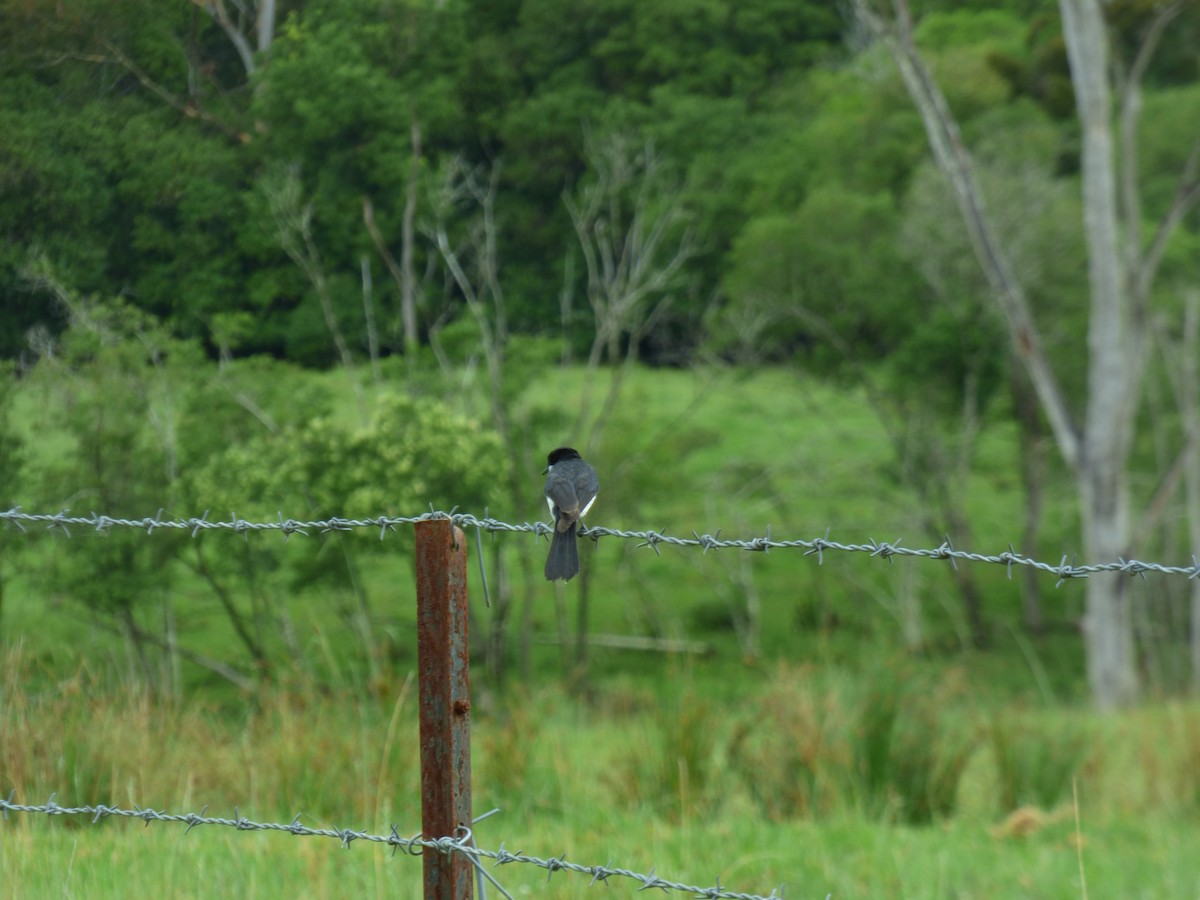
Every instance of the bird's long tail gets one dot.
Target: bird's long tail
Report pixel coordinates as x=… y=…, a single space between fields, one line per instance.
x=563 y=561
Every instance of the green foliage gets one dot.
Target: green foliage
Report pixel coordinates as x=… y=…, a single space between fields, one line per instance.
x=961 y=47
x=134 y=138
x=852 y=126
x=347 y=80
x=114 y=391
x=61 y=202
x=154 y=181
x=938 y=32
x=1038 y=761
x=822 y=300
x=1174 y=62
x=182 y=234
x=1162 y=147
x=413 y=452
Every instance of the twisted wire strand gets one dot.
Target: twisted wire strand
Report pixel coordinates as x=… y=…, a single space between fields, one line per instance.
x=889 y=550
x=462 y=843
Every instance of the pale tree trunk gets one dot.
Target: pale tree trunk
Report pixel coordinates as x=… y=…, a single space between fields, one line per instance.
x=1190 y=403
x=238 y=25
x=266 y=25
x=293 y=218
x=1114 y=365
x=1032 y=451
x=404 y=271
x=408 y=280
x=1120 y=278
x=368 y=292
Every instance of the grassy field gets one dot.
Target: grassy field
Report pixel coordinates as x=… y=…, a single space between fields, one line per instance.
x=835 y=758
x=767 y=793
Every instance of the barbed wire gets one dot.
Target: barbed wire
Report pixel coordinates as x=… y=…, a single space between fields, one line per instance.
x=819 y=546
x=463 y=843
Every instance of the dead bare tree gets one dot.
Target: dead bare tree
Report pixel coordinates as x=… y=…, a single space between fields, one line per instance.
x=634 y=237
x=471 y=258
x=403 y=272
x=634 y=240
x=368 y=294
x=246 y=20
x=293 y=217
x=1096 y=442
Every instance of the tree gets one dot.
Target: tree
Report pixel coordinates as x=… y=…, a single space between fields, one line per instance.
x=1096 y=441
x=1036 y=216
x=635 y=238
x=259 y=18
x=929 y=365
x=408 y=454
x=465 y=233
x=115 y=385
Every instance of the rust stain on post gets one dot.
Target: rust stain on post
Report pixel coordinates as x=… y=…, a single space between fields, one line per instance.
x=444 y=684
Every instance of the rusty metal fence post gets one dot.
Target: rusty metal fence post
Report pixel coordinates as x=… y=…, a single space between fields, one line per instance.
x=444 y=687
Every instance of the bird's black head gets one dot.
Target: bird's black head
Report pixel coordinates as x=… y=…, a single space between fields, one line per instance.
x=562 y=453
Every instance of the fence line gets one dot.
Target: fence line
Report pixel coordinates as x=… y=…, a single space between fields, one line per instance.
x=461 y=844
x=413 y=846
x=819 y=546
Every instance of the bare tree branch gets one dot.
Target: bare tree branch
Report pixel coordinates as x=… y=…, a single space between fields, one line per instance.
x=220 y=15
x=952 y=157
x=1187 y=195
x=293 y=223
x=633 y=235
x=191 y=110
x=408 y=282
x=621 y=249
x=216 y=666
x=1142 y=266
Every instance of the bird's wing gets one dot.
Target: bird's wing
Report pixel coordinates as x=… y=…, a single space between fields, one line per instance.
x=561 y=492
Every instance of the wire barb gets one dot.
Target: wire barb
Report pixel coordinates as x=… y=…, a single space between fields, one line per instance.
x=654 y=539
x=462 y=843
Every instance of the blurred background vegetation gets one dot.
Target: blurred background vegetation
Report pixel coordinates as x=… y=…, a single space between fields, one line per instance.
x=363 y=257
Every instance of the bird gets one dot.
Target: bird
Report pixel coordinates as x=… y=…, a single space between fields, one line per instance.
x=571 y=486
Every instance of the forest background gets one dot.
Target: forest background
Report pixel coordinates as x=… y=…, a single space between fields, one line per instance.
x=359 y=258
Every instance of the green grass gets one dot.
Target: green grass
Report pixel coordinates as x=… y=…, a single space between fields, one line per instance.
x=845 y=858
x=770 y=449
x=835 y=759
x=633 y=782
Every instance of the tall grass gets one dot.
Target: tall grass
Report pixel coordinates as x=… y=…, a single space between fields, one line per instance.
x=883 y=746
x=843 y=765
x=889 y=746
x=288 y=749
x=1038 y=758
